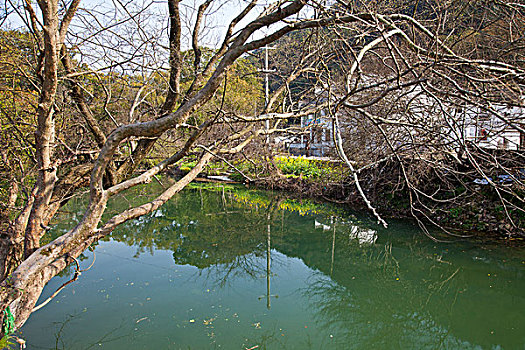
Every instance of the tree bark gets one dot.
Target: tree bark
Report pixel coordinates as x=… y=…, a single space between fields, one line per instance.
x=45 y=133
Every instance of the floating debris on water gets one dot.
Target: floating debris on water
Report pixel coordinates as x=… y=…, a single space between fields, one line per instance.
x=141 y=319
x=209 y=321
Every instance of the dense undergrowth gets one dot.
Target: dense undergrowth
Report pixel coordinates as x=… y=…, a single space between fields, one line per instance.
x=457 y=205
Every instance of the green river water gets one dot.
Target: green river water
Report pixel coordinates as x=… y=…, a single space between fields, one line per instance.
x=231 y=268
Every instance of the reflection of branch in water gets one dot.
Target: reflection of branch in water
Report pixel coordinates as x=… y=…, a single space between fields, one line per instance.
x=224 y=213
x=268 y=339
x=440 y=285
x=333 y=246
x=378 y=304
x=223 y=197
x=77 y=274
x=58 y=334
x=60 y=344
x=249 y=265
x=105 y=338
x=367 y=322
x=390 y=263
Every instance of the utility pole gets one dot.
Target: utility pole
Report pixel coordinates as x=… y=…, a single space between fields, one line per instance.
x=266 y=71
x=266 y=91
x=268 y=262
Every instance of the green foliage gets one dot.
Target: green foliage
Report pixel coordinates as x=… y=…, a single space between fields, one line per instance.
x=236 y=176
x=456 y=211
x=307 y=168
x=187 y=165
x=7 y=342
x=299 y=166
x=293 y=167
x=216 y=168
x=241 y=95
x=18 y=99
x=8 y=325
x=213 y=168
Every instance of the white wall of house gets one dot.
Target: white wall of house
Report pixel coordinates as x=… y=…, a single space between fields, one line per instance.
x=318 y=141
x=488 y=131
x=470 y=124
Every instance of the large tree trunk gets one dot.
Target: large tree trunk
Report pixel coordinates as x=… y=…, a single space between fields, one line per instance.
x=45 y=133
x=12 y=242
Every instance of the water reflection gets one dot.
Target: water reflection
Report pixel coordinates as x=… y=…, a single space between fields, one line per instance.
x=300 y=274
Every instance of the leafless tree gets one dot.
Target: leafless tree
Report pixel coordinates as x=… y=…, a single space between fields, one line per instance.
x=121 y=86
x=427 y=105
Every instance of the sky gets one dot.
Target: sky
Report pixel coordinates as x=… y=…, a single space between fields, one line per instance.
x=143 y=40
x=222 y=12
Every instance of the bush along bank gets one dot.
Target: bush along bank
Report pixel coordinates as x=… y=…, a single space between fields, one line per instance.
x=460 y=205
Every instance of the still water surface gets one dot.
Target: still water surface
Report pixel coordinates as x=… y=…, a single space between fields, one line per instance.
x=237 y=269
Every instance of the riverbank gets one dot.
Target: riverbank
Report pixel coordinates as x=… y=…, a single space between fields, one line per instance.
x=470 y=209
x=480 y=219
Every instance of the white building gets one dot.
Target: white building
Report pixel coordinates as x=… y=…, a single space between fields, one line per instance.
x=318 y=139
x=488 y=131
x=471 y=124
